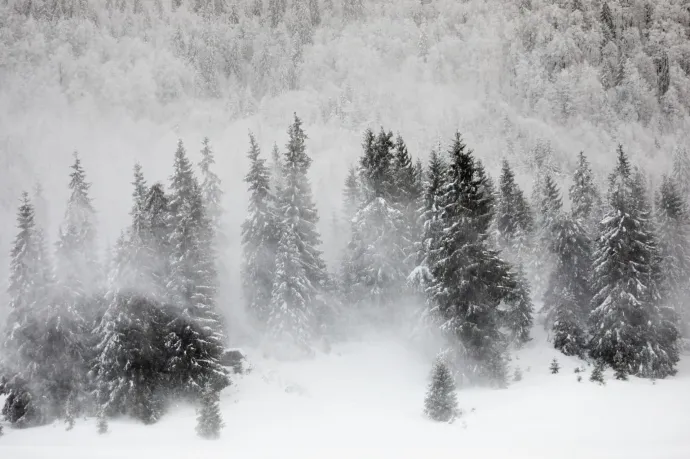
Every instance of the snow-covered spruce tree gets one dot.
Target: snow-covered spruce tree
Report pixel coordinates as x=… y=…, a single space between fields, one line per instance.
x=517 y=316
x=430 y=221
x=69 y=412
x=568 y=294
x=78 y=267
x=681 y=172
x=77 y=305
x=212 y=196
x=374 y=261
x=292 y=319
x=352 y=195
x=550 y=208
x=22 y=344
x=514 y=220
x=674 y=243
x=195 y=343
x=542 y=260
x=102 y=423
x=41 y=208
x=157 y=229
x=630 y=330
x=406 y=196
x=468 y=276
x=209 y=420
x=584 y=195
x=276 y=168
x=138 y=253
x=441 y=402
x=300 y=276
x=664 y=324
x=259 y=238
x=598 y=374
x=128 y=369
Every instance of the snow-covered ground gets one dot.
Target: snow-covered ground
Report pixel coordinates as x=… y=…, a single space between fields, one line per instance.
x=364 y=400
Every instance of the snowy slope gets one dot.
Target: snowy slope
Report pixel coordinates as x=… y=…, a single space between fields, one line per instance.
x=364 y=400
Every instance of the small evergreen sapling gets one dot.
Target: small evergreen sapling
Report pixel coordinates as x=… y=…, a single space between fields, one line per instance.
x=620 y=375
x=102 y=423
x=209 y=420
x=597 y=374
x=440 y=403
x=69 y=413
x=554 y=366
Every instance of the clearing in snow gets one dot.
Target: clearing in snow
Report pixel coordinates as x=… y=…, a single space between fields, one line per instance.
x=366 y=400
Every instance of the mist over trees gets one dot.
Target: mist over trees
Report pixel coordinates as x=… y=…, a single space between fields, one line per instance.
x=428 y=237
x=128 y=335
x=122 y=337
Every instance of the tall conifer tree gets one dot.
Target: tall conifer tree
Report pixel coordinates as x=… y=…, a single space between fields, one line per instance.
x=430 y=220
x=514 y=220
x=300 y=277
x=197 y=343
x=568 y=293
x=468 y=276
x=376 y=262
x=674 y=244
x=259 y=238
x=630 y=330
x=584 y=196
x=23 y=340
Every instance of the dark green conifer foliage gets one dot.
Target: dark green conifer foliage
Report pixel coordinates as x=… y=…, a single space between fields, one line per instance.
x=568 y=293
x=156 y=237
x=430 y=221
x=69 y=413
x=663 y=72
x=554 y=367
x=469 y=278
x=584 y=195
x=352 y=195
x=212 y=195
x=550 y=207
x=673 y=223
x=23 y=339
x=607 y=22
x=681 y=172
x=631 y=329
x=514 y=221
x=381 y=250
x=517 y=317
x=77 y=302
x=406 y=195
x=209 y=420
x=597 y=374
x=197 y=342
x=102 y=423
x=620 y=374
x=441 y=402
x=259 y=238
x=300 y=278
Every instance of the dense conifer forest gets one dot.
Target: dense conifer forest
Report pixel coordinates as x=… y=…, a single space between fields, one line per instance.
x=462 y=174
x=139 y=329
